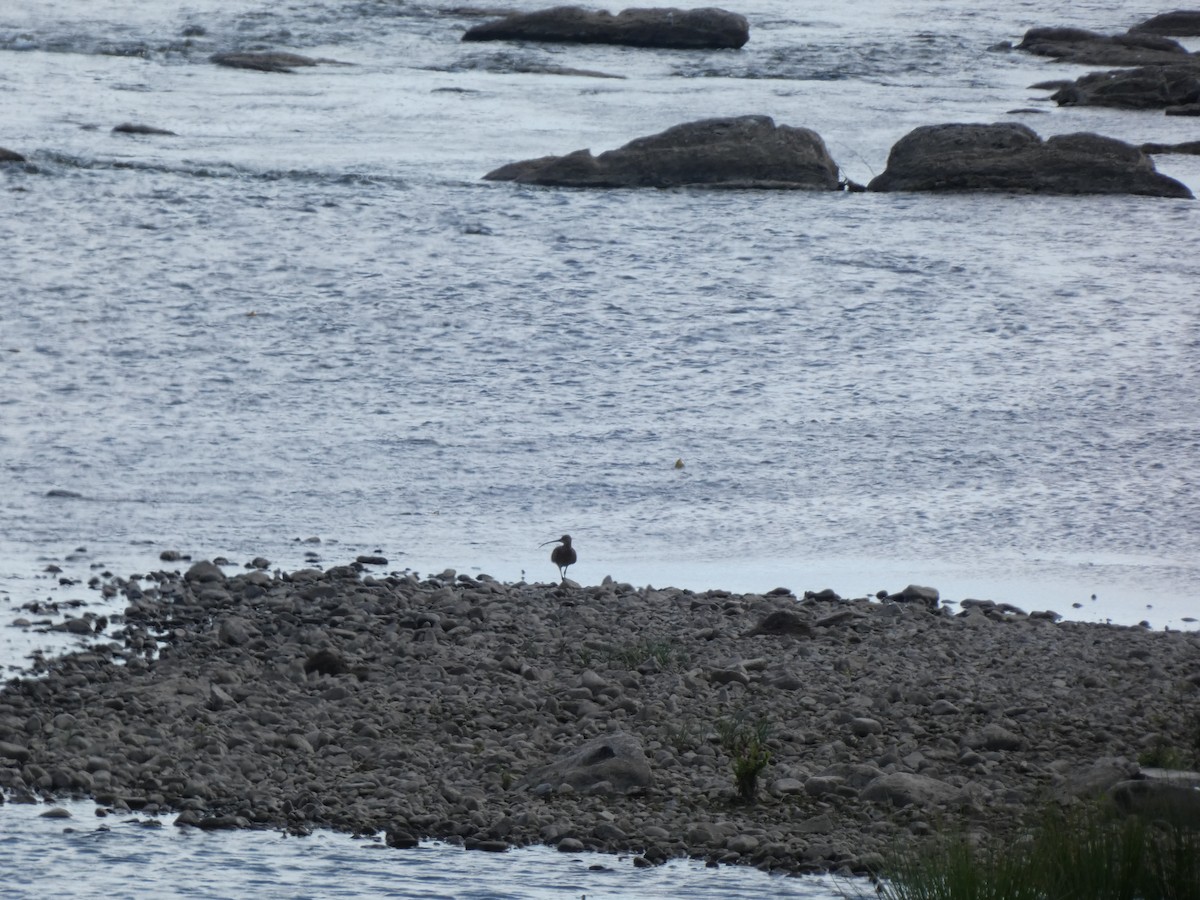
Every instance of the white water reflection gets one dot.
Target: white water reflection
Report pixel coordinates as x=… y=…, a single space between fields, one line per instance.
x=91 y=858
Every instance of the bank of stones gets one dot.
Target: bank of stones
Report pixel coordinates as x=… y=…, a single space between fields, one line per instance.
x=461 y=708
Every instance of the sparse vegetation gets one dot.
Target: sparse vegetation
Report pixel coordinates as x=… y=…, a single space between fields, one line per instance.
x=1089 y=855
x=746 y=744
x=1175 y=746
x=660 y=651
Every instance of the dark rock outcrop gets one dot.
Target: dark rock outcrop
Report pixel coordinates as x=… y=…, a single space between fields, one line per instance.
x=742 y=152
x=1181 y=22
x=680 y=29
x=1011 y=157
x=1078 y=45
x=1147 y=87
x=7 y=156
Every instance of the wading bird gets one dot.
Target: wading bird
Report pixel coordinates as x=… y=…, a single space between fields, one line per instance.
x=562 y=555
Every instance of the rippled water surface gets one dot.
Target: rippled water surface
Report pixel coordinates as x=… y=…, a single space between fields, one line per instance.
x=139 y=856
x=303 y=328
x=305 y=315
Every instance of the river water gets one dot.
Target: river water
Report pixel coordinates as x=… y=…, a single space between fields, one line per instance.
x=303 y=328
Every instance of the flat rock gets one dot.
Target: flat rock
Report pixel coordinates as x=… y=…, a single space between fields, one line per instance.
x=1012 y=158
x=1078 y=45
x=740 y=152
x=268 y=61
x=679 y=29
x=1146 y=87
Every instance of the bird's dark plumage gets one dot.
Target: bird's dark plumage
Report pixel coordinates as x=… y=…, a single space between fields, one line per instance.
x=562 y=555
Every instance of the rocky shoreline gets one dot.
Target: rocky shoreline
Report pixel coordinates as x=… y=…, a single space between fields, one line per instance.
x=500 y=715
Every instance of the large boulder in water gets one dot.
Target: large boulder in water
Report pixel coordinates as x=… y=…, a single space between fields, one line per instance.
x=1181 y=22
x=1012 y=158
x=1078 y=45
x=679 y=29
x=1148 y=87
x=741 y=152
x=10 y=156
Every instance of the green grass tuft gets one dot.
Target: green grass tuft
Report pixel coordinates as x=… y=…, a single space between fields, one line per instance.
x=746 y=744
x=1090 y=855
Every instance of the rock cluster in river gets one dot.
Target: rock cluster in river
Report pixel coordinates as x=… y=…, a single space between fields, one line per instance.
x=753 y=152
x=1156 y=72
x=498 y=715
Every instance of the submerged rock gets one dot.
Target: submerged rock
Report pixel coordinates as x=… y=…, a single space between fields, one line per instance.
x=743 y=152
x=135 y=128
x=680 y=29
x=1013 y=158
x=267 y=61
